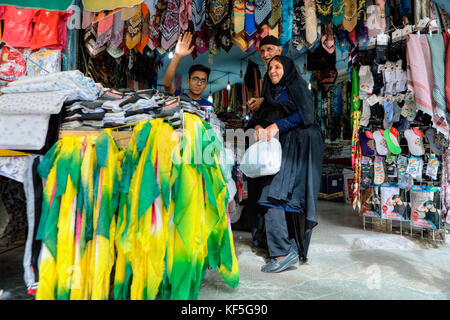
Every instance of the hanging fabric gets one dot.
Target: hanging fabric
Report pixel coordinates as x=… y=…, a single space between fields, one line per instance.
x=324 y=10
x=286 y=21
x=185 y=13
x=133 y=27
x=198 y=13
x=171 y=27
x=250 y=28
x=351 y=15
x=298 y=26
x=338 y=12
x=96 y=6
x=263 y=9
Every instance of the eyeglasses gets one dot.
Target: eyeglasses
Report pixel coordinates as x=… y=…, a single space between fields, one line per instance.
x=197 y=79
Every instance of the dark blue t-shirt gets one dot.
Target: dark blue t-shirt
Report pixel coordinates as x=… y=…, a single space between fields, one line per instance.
x=201 y=102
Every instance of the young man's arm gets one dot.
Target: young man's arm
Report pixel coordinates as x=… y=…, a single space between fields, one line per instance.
x=182 y=49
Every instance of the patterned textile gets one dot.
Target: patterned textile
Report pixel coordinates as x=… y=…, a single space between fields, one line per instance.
x=351 y=15
x=104 y=30
x=145 y=36
x=276 y=13
x=262 y=10
x=185 y=13
x=198 y=13
x=324 y=10
x=445 y=185
x=23 y=132
x=83 y=88
x=298 y=26
x=133 y=29
x=13 y=167
x=250 y=27
x=437 y=49
x=117 y=31
x=338 y=12
x=224 y=34
x=171 y=28
x=218 y=10
x=286 y=21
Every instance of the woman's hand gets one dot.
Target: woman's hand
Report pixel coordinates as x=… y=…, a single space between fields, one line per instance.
x=259 y=132
x=272 y=131
x=254 y=103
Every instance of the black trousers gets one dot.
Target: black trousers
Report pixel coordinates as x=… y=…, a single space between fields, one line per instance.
x=280 y=239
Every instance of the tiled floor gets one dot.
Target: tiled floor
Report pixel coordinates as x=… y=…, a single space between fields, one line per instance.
x=345 y=262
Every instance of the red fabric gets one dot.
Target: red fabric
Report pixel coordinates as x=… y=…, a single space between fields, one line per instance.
x=447 y=68
x=62 y=31
x=46 y=29
x=18 y=27
x=12 y=64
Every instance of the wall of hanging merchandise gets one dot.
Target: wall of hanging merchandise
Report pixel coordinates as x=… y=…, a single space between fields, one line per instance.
x=401 y=132
x=34 y=42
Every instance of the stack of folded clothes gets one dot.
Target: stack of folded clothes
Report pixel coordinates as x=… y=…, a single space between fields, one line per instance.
x=118 y=107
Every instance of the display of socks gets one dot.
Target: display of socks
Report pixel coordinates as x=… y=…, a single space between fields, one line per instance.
x=366 y=172
x=388 y=110
x=435 y=148
x=367 y=143
x=415 y=167
x=378 y=170
x=391 y=136
x=414 y=137
x=380 y=142
x=404 y=179
x=391 y=166
x=432 y=167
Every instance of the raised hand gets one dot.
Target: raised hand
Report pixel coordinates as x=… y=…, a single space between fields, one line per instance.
x=183 y=47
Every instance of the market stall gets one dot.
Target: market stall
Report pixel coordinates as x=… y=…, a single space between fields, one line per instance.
x=87 y=128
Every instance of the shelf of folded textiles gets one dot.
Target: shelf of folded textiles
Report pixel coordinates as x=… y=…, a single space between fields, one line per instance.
x=122 y=137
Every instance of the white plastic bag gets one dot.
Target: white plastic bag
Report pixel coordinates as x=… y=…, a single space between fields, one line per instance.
x=262 y=158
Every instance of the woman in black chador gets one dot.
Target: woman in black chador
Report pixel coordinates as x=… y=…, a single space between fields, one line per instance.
x=288 y=198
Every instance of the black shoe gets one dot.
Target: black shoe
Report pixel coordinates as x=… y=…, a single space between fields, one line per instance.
x=277 y=266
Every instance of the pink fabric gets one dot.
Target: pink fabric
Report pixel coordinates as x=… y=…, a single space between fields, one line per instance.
x=185 y=14
x=420 y=72
x=447 y=69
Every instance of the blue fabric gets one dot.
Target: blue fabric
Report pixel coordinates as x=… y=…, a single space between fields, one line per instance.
x=287 y=18
x=290 y=122
x=405 y=7
x=201 y=102
x=444 y=4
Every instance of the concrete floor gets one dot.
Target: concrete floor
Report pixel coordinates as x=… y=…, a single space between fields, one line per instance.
x=345 y=263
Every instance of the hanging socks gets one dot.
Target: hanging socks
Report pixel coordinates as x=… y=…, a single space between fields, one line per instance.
x=366 y=172
x=414 y=137
x=367 y=143
x=436 y=149
x=388 y=110
x=432 y=167
x=392 y=142
x=391 y=169
x=380 y=142
x=379 y=170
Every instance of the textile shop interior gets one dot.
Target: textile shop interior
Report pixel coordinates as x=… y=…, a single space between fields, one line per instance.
x=89 y=137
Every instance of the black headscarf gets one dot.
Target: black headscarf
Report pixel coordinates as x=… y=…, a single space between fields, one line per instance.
x=299 y=94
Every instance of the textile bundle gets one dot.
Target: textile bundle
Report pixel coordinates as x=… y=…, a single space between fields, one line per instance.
x=151 y=210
